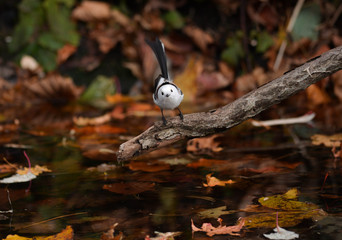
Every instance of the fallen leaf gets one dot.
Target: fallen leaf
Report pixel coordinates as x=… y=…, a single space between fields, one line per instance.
x=212 y=81
x=129 y=188
x=213 y=181
x=65 y=52
x=214 y=212
x=328 y=141
x=211 y=230
x=187 y=79
x=36 y=170
x=316 y=95
x=5 y=168
x=285 y=219
x=281 y=233
x=163 y=236
x=287 y=202
x=201 y=38
x=18 y=178
x=337 y=80
x=83 y=121
x=66 y=234
x=89 y=11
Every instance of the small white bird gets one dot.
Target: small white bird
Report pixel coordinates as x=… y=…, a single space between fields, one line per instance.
x=166 y=94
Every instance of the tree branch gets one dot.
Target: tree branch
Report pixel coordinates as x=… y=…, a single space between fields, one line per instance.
x=218 y=120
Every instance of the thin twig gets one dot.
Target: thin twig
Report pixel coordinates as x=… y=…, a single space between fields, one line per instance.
x=289 y=28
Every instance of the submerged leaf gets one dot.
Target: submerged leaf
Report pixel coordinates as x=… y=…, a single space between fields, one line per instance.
x=129 y=188
x=214 y=212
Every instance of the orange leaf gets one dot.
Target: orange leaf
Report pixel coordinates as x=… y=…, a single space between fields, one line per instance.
x=213 y=181
x=129 y=188
x=148 y=166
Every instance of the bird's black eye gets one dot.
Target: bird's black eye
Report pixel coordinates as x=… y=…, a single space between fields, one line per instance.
x=162 y=93
x=171 y=90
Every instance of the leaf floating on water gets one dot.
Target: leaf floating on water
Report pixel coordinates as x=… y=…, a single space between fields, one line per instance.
x=36 y=170
x=287 y=201
x=328 y=141
x=211 y=230
x=66 y=234
x=213 y=181
x=17 y=178
x=281 y=233
x=204 y=144
x=163 y=236
x=25 y=175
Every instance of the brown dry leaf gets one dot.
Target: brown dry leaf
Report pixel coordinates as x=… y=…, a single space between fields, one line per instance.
x=36 y=170
x=328 y=141
x=204 y=144
x=10 y=127
x=210 y=230
x=264 y=14
x=208 y=82
x=83 y=121
x=102 y=129
x=201 y=38
x=150 y=20
x=53 y=88
x=148 y=166
x=337 y=80
x=245 y=84
x=316 y=95
x=129 y=188
x=65 y=52
x=5 y=168
x=213 y=181
x=135 y=69
x=89 y=11
x=187 y=79
x=107 y=38
x=122 y=19
x=118 y=113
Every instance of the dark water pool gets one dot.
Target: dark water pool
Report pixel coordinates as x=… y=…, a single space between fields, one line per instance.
x=165 y=195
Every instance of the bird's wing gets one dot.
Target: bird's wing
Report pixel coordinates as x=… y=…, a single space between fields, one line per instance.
x=159 y=50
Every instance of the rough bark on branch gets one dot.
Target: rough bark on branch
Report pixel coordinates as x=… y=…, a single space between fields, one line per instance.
x=218 y=120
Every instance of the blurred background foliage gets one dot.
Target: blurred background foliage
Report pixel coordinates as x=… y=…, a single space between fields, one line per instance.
x=88 y=39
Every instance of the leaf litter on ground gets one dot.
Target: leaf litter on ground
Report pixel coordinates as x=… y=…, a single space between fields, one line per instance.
x=213 y=181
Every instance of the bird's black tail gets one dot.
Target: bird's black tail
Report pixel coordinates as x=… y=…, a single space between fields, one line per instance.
x=158 y=49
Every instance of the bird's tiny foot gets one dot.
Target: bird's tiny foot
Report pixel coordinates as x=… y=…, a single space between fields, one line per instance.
x=164 y=121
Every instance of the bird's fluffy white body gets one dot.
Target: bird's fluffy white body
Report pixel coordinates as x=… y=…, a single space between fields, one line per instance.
x=168 y=96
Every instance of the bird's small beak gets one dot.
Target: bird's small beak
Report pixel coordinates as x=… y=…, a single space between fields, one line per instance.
x=167 y=95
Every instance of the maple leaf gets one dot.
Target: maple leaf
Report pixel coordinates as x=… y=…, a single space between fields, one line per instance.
x=213 y=181
x=211 y=230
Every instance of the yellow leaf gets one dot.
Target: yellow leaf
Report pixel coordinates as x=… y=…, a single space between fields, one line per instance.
x=287 y=201
x=35 y=170
x=66 y=234
x=187 y=80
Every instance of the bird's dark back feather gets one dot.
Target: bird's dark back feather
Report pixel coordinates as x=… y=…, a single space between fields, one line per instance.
x=159 y=51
